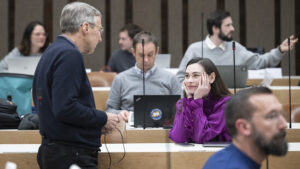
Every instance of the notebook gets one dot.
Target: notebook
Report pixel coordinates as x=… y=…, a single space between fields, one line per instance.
x=23 y=65
x=226 y=73
x=156 y=110
x=163 y=60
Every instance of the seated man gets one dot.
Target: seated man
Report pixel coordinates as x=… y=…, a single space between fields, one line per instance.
x=122 y=59
x=218 y=47
x=257 y=127
x=130 y=82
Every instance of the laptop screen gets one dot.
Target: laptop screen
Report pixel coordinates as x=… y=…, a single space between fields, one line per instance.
x=226 y=73
x=22 y=65
x=154 y=110
x=163 y=60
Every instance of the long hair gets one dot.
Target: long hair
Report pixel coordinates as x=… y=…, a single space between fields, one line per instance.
x=25 y=45
x=218 y=87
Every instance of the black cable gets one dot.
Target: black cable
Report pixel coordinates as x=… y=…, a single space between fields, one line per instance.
x=234 y=78
x=267 y=162
x=110 y=161
x=290 y=94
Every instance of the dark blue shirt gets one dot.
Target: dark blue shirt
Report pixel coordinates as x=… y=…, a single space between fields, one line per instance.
x=64 y=99
x=121 y=60
x=230 y=158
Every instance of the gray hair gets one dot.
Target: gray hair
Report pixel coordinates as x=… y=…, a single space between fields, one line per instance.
x=76 y=13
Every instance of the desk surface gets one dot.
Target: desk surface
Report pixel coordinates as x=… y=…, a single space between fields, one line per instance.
x=146 y=156
x=133 y=135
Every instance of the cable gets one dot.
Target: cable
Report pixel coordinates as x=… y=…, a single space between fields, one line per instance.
x=110 y=161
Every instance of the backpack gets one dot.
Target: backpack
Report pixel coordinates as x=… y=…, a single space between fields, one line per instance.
x=9 y=118
x=18 y=86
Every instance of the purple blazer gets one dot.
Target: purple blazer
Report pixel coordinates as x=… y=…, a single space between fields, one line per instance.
x=200 y=120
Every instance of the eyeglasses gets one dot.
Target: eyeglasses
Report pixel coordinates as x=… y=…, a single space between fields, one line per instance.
x=100 y=28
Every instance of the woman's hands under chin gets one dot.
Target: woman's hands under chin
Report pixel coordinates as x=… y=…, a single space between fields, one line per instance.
x=203 y=87
x=188 y=95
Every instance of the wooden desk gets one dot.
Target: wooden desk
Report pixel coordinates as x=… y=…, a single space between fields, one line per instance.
x=146 y=156
x=132 y=136
x=281 y=92
x=284 y=81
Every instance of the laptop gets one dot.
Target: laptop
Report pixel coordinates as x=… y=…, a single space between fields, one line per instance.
x=226 y=73
x=22 y=65
x=154 y=110
x=163 y=60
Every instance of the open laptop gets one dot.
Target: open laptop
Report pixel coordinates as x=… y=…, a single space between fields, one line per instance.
x=163 y=60
x=154 y=110
x=23 y=65
x=226 y=73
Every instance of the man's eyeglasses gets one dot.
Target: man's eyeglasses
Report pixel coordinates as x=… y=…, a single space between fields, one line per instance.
x=100 y=28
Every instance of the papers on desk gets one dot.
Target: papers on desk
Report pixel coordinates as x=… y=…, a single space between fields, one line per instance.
x=263 y=73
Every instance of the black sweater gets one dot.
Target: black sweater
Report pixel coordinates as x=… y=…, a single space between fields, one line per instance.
x=64 y=99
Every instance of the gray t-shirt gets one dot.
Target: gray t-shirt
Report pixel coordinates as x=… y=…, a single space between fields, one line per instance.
x=130 y=83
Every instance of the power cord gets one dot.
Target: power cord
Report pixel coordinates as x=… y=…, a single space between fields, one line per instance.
x=110 y=161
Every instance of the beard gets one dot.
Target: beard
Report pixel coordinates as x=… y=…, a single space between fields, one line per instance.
x=276 y=146
x=224 y=37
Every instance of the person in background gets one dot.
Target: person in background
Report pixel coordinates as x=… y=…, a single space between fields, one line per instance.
x=129 y=83
x=255 y=121
x=70 y=125
x=218 y=47
x=200 y=114
x=122 y=59
x=34 y=42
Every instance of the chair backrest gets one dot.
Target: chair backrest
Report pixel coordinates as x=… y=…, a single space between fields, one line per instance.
x=18 y=86
x=101 y=79
x=296 y=115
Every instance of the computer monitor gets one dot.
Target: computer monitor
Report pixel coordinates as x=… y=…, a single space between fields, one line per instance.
x=163 y=60
x=227 y=75
x=23 y=65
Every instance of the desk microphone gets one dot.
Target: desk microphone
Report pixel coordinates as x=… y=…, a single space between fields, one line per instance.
x=234 y=76
x=290 y=95
x=202 y=17
x=143 y=54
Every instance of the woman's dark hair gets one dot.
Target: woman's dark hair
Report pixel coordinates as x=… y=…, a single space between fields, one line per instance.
x=25 y=45
x=218 y=87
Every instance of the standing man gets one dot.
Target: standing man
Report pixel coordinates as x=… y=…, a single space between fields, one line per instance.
x=122 y=59
x=218 y=47
x=129 y=83
x=70 y=125
x=257 y=127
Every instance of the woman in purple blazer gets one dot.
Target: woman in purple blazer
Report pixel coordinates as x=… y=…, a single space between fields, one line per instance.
x=200 y=114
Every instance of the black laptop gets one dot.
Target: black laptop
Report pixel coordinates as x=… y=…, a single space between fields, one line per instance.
x=154 y=110
x=226 y=73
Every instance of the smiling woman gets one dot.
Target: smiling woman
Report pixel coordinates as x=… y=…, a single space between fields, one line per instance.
x=200 y=114
x=35 y=40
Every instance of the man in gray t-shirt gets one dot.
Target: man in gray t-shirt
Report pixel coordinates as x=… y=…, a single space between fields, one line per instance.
x=218 y=47
x=130 y=82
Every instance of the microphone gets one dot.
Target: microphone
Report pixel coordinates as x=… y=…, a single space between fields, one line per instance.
x=290 y=95
x=143 y=53
x=234 y=76
x=202 y=14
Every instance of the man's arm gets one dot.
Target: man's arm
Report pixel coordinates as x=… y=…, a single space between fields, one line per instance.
x=269 y=59
x=113 y=103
